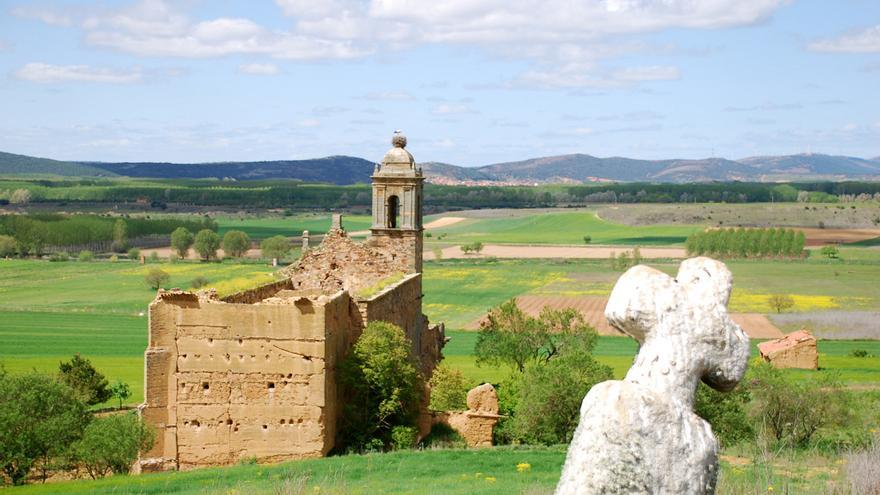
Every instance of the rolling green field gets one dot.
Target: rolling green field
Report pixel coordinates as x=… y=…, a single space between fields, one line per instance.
x=523 y=227
x=263 y=227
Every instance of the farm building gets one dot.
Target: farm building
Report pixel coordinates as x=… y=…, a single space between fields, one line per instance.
x=253 y=375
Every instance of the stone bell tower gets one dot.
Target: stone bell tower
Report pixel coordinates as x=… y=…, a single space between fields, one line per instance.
x=397 y=205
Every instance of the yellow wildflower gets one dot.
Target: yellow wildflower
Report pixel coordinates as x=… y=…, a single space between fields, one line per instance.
x=770 y=488
x=523 y=466
x=490 y=479
x=478 y=475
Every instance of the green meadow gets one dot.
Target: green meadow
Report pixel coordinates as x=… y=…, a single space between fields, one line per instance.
x=523 y=227
x=263 y=227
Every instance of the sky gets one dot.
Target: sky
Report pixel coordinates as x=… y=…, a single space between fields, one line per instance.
x=470 y=82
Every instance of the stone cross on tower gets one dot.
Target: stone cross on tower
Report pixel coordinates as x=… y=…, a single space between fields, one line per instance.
x=640 y=435
x=397 y=203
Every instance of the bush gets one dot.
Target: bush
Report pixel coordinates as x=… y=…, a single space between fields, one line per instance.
x=277 y=247
x=20 y=197
x=156 y=278
x=236 y=243
x=88 y=383
x=474 y=247
x=448 y=390
x=181 y=240
x=858 y=353
x=830 y=252
x=154 y=257
x=206 y=243
x=442 y=436
x=86 y=256
x=726 y=412
x=550 y=396
x=380 y=377
x=7 y=246
x=39 y=418
x=114 y=259
x=588 y=239
x=134 y=254
x=791 y=411
x=198 y=282
x=59 y=256
x=111 y=444
x=404 y=437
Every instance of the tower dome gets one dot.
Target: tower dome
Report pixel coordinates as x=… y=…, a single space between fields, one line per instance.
x=398 y=157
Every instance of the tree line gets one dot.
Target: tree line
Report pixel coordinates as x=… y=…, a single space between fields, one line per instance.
x=747 y=243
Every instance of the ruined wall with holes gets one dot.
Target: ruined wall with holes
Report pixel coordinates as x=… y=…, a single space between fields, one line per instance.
x=227 y=381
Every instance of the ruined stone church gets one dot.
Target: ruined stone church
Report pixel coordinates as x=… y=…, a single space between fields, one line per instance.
x=253 y=375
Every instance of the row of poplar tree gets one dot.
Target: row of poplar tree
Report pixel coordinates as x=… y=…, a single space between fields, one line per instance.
x=747 y=243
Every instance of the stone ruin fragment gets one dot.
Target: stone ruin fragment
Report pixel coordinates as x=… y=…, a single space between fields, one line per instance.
x=253 y=374
x=795 y=350
x=476 y=425
x=640 y=435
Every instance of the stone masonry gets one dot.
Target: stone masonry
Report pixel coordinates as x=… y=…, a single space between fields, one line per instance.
x=253 y=375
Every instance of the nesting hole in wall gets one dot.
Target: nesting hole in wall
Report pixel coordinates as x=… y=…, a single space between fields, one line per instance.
x=265 y=427
x=206 y=386
x=210 y=341
x=240 y=342
x=196 y=423
x=229 y=421
x=283 y=421
x=271 y=385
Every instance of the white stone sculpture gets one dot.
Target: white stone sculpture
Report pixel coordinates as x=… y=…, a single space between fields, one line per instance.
x=640 y=435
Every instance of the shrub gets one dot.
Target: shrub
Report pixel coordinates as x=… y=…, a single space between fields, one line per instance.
x=726 y=412
x=88 y=383
x=830 y=252
x=134 y=254
x=20 y=197
x=86 y=256
x=474 y=247
x=780 y=302
x=198 y=282
x=588 y=239
x=448 y=390
x=442 y=436
x=154 y=257
x=39 y=418
x=791 y=411
x=120 y=391
x=59 y=256
x=156 y=278
x=381 y=379
x=858 y=353
x=114 y=259
x=181 y=240
x=550 y=396
x=206 y=243
x=236 y=243
x=7 y=246
x=277 y=247
x=111 y=444
x=404 y=437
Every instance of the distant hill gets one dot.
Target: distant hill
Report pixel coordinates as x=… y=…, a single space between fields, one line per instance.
x=26 y=165
x=574 y=168
x=332 y=169
x=811 y=164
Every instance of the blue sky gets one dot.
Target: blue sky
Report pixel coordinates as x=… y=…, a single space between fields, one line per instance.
x=471 y=82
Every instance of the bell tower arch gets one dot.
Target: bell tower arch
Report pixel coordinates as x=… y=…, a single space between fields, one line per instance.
x=397 y=204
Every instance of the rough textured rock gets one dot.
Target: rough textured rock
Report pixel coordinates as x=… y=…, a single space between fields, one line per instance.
x=795 y=350
x=477 y=424
x=640 y=435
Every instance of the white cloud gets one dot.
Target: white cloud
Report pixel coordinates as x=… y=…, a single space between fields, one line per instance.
x=866 y=41
x=50 y=16
x=259 y=69
x=650 y=73
x=389 y=96
x=451 y=109
x=309 y=123
x=47 y=73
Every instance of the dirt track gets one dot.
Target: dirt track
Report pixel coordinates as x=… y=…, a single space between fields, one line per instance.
x=580 y=252
x=757 y=326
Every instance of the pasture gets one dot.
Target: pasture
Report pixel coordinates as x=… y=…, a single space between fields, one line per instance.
x=261 y=227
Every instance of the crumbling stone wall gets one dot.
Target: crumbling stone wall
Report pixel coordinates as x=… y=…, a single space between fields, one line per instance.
x=227 y=381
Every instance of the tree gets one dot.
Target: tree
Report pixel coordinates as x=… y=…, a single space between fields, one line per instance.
x=780 y=302
x=588 y=239
x=112 y=443
x=156 y=278
x=509 y=336
x=726 y=412
x=448 y=390
x=382 y=384
x=206 y=243
x=134 y=254
x=277 y=247
x=181 y=241
x=120 y=236
x=236 y=243
x=88 y=383
x=121 y=391
x=830 y=252
x=86 y=256
x=39 y=418
x=7 y=246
